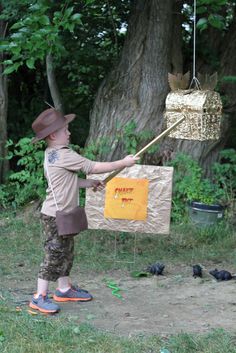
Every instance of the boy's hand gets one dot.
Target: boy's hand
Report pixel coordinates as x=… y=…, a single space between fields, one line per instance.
x=130 y=160
x=97 y=185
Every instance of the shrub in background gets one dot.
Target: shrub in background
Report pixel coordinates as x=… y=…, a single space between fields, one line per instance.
x=28 y=182
x=190 y=185
x=225 y=177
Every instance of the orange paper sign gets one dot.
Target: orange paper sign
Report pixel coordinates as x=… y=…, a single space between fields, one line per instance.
x=126 y=199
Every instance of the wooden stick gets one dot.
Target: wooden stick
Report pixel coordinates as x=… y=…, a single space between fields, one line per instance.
x=164 y=133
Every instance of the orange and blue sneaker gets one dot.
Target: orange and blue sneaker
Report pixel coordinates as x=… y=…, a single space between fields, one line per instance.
x=73 y=294
x=44 y=304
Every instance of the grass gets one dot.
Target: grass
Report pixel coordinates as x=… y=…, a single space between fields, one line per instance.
x=184 y=244
x=21 y=254
x=21 y=241
x=21 y=333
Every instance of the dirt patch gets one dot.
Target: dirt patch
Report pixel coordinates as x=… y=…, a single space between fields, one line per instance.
x=160 y=305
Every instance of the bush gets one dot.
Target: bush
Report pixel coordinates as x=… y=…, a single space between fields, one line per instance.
x=28 y=183
x=225 y=177
x=189 y=184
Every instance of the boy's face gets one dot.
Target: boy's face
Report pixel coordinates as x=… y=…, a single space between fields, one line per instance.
x=61 y=136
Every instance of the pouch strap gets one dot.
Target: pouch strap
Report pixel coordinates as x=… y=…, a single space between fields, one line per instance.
x=49 y=179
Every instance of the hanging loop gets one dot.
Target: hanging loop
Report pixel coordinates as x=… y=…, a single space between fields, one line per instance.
x=194 y=82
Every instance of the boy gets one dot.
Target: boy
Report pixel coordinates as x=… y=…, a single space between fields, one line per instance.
x=60 y=166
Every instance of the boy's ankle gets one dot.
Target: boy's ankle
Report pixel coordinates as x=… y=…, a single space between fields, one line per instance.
x=36 y=295
x=64 y=290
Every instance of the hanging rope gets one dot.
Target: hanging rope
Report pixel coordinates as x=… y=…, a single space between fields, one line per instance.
x=195 y=83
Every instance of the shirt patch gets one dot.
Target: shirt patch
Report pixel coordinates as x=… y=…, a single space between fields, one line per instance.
x=53 y=156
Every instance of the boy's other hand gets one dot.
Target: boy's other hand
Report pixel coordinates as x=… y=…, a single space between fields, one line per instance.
x=130 y=160
x=97 y=185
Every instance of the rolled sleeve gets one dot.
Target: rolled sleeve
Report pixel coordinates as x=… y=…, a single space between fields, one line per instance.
x=75 y=162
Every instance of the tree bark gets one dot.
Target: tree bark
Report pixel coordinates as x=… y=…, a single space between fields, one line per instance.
x=136 y=89
x=177 y=39
x=4 y=164
x=57 y=102
x=228 y=68
x=223 y=47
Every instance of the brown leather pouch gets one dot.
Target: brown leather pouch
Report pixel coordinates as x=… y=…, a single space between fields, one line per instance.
x=71 y=223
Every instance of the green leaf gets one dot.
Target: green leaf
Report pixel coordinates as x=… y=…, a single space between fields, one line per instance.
x=69 y=11
x=201 y=9
x=15 y=50
x=9 y=70
x=35 y=7
x=44 y=20
x=13 y=45
x=30 y=63
x=7 y=62
x=202 y=23
x=9 y=143
x=16 y=35
x=57 y=17
x=43 y=31
x=76 y=330
x=29 y=20
x=216 y=21
x=17 y=25
x=23 y=30
x=71 y=27
x=76 y=18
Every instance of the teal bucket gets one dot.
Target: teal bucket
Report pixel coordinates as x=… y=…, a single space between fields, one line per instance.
x=203 y=215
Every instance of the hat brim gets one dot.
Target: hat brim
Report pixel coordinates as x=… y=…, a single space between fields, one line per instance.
x=68 y=119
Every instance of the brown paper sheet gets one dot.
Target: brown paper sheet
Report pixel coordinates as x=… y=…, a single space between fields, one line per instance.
x=159 y=202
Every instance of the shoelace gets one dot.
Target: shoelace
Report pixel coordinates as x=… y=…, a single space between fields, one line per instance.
x=46 y=299
x=77 y=289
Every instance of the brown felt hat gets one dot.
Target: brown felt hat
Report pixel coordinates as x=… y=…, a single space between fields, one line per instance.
x=49 y=121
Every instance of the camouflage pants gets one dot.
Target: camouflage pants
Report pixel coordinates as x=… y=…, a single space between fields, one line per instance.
x=59 y=251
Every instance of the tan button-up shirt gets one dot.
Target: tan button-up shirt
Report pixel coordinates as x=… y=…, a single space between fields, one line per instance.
x=62 y=165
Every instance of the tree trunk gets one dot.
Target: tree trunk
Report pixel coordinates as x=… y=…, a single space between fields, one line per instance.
x=222 y=47
x=177 y=39
x=4 y=164
x=57 y=102
x=228 y=68
x=136 y=89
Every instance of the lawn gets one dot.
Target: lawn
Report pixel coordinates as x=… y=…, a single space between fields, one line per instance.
x=20 y=257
